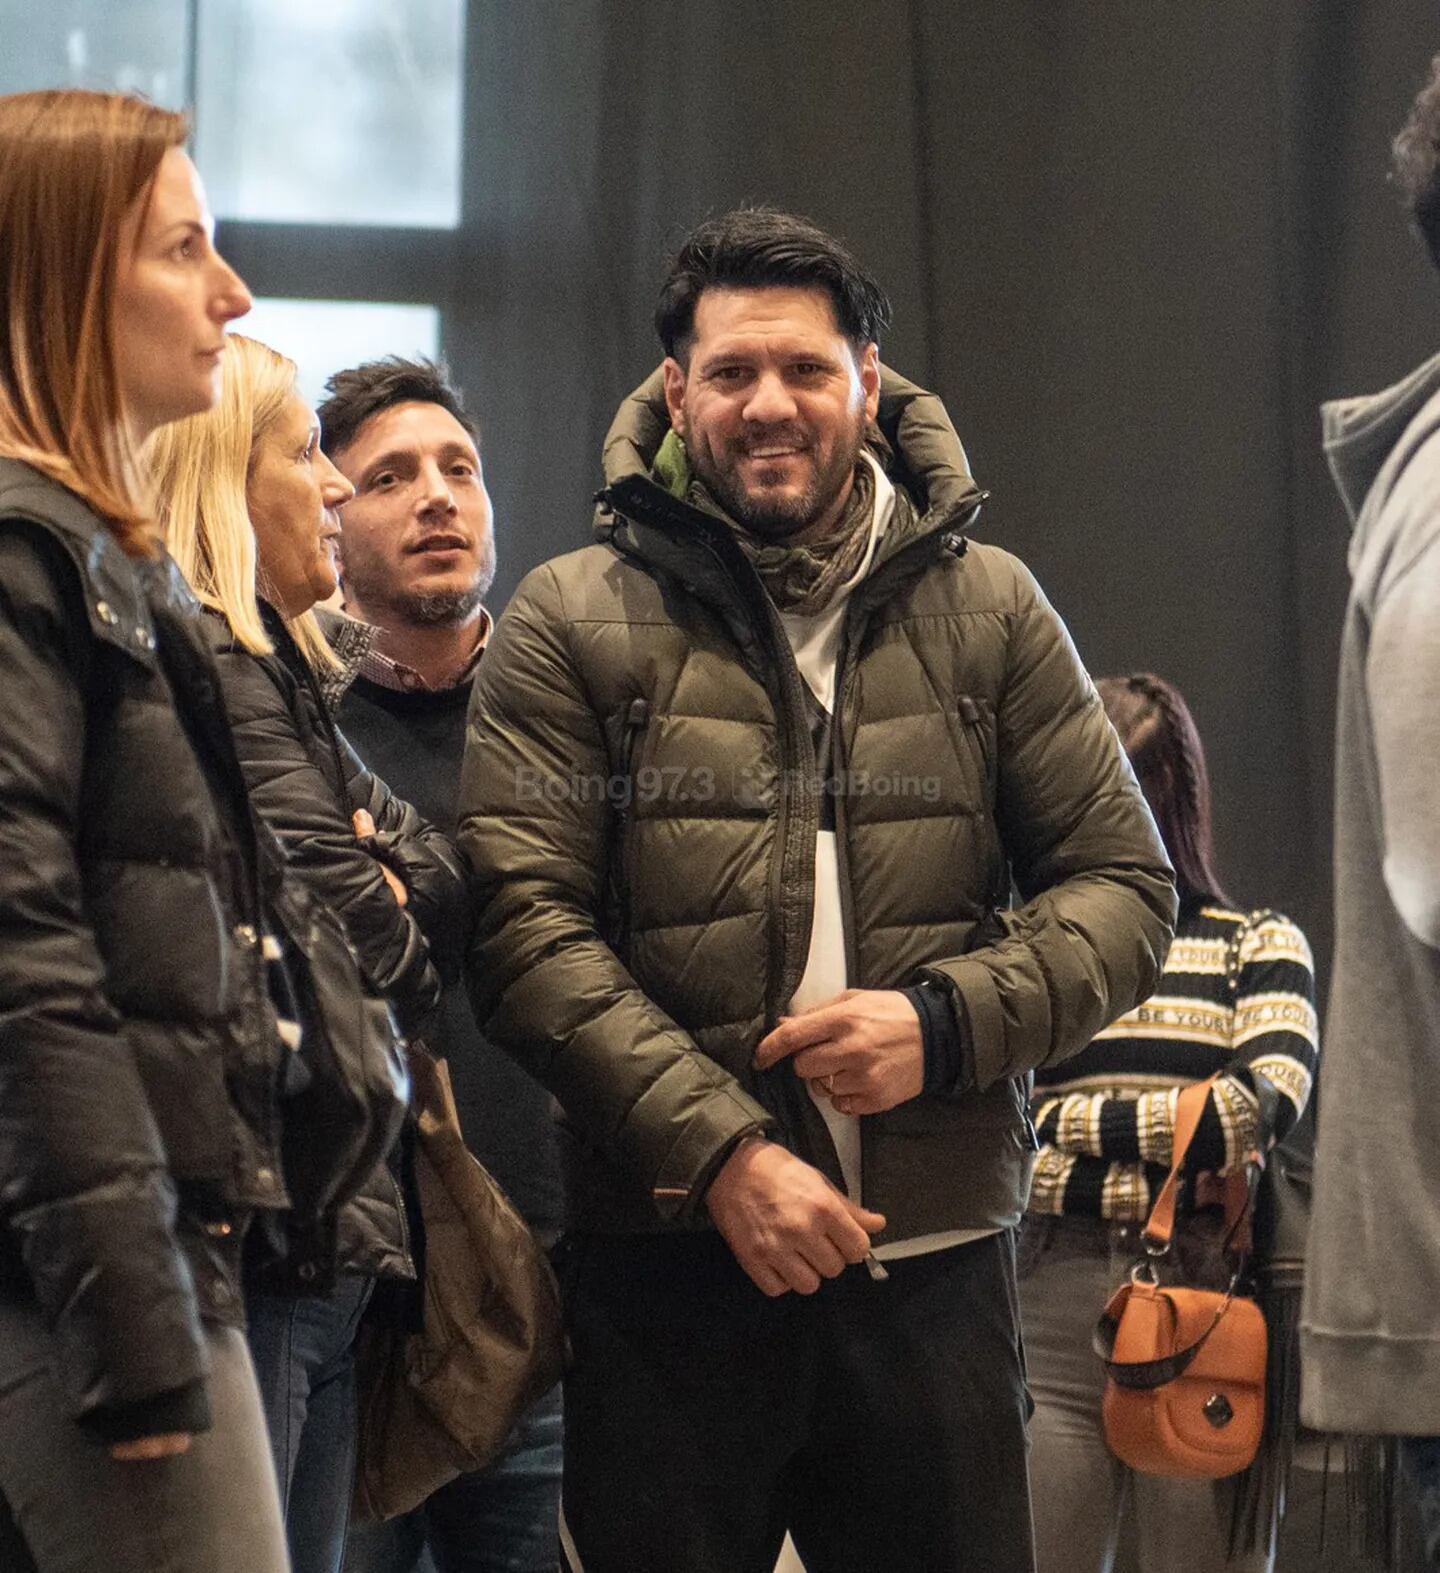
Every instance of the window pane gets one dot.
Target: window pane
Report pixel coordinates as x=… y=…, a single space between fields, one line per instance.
x=331 y=111
x=325 y=336
x=142 y=46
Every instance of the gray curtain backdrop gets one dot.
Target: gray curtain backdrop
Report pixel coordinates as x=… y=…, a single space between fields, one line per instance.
x=1132 y=246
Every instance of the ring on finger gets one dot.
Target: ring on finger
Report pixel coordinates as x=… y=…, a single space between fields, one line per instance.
x=828 y=1083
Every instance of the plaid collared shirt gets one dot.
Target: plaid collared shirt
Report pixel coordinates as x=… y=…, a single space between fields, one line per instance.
x=386 y=672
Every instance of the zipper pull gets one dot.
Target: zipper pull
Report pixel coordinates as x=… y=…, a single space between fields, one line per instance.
x=876 y=1268
x=637 y=717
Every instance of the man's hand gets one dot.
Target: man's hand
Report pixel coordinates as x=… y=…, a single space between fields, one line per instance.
x=166 y=1446
x=785 y=1222
x=864 y=1050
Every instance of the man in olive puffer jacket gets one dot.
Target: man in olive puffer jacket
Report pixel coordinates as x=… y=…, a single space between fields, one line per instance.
x=747 y=786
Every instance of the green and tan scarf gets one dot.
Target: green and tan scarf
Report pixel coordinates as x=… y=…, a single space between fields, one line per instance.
x=799 y=579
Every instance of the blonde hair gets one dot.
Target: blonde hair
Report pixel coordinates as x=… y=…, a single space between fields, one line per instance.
x=72 y=165
x=200 y=467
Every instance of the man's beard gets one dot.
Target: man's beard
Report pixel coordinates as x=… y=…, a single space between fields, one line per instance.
x=778 y=518
x=424 y=608
x=440 y=608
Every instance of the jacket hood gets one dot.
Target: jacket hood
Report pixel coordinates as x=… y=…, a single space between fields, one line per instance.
x=920 y=452
x=1368 y=440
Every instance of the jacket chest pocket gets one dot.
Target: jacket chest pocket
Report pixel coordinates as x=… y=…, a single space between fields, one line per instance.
x=975 y=723
x=620 y=793
x=979 y=746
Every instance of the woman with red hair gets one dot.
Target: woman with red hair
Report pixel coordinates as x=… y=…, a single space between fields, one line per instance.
x=139 y=1051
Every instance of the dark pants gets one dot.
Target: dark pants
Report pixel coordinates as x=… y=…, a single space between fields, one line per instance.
x=1420 y=1457
x=303 y=1349
x=883 y=1423
x=504 y=1519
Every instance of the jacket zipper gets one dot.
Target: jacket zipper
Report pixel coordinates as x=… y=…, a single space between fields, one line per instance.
x=793 y=846
x=838 y=762
x=849 y=640
x=797 y=779
x=1023 y=1133
x=795 y=751
x=397 y=1196
x=637 y=718
x=797 y=764
x=972 y=721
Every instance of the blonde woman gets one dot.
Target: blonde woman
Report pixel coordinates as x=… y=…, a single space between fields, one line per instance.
x=136 y=1142
x=249 y=512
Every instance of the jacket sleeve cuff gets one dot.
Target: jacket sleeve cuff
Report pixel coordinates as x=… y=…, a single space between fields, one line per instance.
x=944 y=1031
x=184 y=1408
x=980 y=1015
x=718 y=1162
x=704 y=1143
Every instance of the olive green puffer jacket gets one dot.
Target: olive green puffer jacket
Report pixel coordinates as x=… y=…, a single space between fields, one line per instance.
x=639 y=808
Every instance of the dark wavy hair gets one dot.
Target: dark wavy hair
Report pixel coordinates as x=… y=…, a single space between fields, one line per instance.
x=363 y=391
x=1159 y=734
x=752 y=247
x=1416 y=159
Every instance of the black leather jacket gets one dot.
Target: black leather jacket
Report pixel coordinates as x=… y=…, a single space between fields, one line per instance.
x=139 y=1125
x=306 y=781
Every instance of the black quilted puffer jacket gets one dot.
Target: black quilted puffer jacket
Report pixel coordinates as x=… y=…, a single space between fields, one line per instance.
x=306 y=781
x=139 y=1058
x=639 y=809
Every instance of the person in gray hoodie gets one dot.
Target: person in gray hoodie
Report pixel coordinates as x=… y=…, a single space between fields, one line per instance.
x=1371 y=1319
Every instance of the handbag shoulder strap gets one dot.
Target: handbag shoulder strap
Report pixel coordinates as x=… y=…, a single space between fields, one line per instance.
x=1189 y=1107
x=1164 y=1368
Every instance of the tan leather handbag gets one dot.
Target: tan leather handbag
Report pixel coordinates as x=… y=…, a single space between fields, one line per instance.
x=442 y=1401
x=1185 y=1367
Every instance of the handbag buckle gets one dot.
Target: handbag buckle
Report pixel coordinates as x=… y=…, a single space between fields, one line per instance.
x=1147 y=1270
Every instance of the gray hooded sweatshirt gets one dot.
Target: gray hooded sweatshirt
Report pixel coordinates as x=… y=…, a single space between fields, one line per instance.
x=1371 y=1319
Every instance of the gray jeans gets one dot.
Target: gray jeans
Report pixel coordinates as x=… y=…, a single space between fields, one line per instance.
x=1080 y=1492
x=66 y=1506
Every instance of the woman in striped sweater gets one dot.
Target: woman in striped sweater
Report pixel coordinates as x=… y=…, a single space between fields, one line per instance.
x=1237 y=999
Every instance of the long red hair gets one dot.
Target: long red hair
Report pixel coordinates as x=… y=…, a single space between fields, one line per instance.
x=72 y=165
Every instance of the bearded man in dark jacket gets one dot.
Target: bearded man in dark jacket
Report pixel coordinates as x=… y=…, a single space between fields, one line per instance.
x=747 y=786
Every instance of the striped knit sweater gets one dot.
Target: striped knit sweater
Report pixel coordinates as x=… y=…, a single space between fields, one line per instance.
x=1106 y=1117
